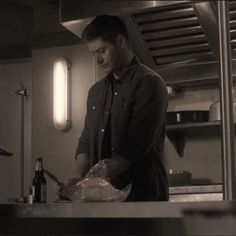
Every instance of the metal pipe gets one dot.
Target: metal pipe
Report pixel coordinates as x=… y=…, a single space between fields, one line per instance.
x=22 y=146
x=22 y=92
x=226 y=101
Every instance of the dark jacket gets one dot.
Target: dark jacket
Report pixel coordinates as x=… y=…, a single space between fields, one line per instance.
x=135 y=108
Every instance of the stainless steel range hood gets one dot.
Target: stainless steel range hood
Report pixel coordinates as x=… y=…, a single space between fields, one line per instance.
x=74 y=9
x=75 y=15
x=178 y=39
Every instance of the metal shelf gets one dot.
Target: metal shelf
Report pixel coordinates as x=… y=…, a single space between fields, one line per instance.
x=177 y=132
x=192 y=125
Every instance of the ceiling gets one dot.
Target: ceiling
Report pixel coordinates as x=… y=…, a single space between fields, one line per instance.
x=30 y=24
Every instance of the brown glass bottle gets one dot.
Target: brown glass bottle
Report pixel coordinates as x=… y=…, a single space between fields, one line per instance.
x=39 y=182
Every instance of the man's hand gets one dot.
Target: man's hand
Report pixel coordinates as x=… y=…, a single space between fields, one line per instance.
x=109 y=168
x=65 y=191
x=81 y=168
x=82 y=165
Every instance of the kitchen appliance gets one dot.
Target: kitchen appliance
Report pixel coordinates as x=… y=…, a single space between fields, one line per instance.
x=179 y=178
x=181 y=117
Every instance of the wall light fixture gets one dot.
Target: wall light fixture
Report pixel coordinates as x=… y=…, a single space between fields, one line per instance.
x=61 y=94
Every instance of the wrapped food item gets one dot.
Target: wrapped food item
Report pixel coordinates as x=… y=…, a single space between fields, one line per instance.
x=96 y=189
x=66 y=191
x=100 y=169
x=93 y=189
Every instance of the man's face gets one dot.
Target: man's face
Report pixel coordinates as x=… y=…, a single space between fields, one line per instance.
x=107 y=54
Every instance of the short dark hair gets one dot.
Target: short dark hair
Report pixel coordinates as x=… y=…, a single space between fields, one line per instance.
x=105 y=26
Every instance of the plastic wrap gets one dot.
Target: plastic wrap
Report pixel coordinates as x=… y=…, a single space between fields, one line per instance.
x=99 y=170
x=66 y=191
x=95 y=187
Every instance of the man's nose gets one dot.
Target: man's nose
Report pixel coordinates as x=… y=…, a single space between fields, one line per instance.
x=99 y=59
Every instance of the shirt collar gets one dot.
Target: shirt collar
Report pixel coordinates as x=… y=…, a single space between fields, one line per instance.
x=134 y=62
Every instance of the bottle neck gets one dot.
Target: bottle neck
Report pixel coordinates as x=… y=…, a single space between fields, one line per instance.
x=39 y=166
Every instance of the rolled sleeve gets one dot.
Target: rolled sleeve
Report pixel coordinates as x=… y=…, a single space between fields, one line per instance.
x=84 y=143
x=83 y=146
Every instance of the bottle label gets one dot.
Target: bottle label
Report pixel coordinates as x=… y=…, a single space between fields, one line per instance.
x=31 y=199
x=43 y=197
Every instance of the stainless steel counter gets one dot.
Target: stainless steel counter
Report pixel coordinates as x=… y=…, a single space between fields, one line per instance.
x=94 y=210
x=216 y=188
x=196 y=193
x=149 y=218
x=91 y=219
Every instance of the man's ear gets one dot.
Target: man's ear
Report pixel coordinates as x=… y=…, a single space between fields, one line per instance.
x=121 y=41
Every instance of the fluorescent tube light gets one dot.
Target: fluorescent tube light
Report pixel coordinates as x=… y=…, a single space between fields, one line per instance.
x=61 y=74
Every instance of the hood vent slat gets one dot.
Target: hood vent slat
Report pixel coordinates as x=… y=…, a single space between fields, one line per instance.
x=167 y=34
x=163 y=12
x=176 y=42
x=152 y=18
x=179 y=50
x=180 y=59
x=169 y=24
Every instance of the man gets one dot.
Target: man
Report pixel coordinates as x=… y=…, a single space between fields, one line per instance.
x=125 y=119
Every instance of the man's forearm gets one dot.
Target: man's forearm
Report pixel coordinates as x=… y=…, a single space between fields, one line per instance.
x=82 y=164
